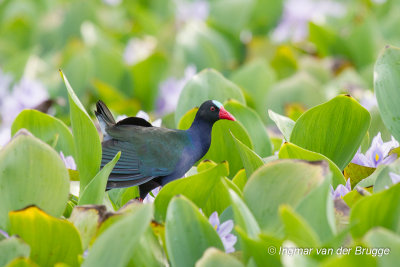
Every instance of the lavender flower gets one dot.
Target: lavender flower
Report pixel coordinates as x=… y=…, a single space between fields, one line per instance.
x=297 y=14
x=223 y=230
x=341 y=190
x=170 y=89
x=69 y=161
x=395 y=177
x=3 y=233
x=139 y=49
x=377 y=154
x=191 y=10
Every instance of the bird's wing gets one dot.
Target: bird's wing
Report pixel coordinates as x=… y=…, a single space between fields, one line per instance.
x=146 y=153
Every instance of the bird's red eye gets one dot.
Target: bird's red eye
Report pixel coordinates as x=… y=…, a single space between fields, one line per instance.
x=212 y=108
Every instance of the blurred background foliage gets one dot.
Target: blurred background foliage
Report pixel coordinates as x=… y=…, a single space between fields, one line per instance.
x=286 y=56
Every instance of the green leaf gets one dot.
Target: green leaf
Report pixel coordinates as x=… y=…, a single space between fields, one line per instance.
x=95 y=190
x=284 y=124
x=86 y=219
x=255 y=78
x=243 y=216
x=251 y=161
x=380 y=209
x=386 y=80
x=240 y=179
x=203 y=87
x=114 y=247
x=120 y=196
x=184 y=224
x=51 y=240
x=23 y=262
x=291 y=151
x=46 y=128
x=32 y=173
x=356 y=173
x=213 y=257
x=350 y=260
x=254 y=126
x=207 y=189
x=297 y=229
x=334 y=129
x=387 y=240
x=11 y=248
x=283 y=181
x=87 y=141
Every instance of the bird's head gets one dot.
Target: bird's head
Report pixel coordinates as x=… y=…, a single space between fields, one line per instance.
x=212 y=111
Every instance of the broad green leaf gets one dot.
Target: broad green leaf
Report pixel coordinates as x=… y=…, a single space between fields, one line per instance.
x=87 y=141
x=386 y=80
x=51 y=240
x=318 y=210
x=284 y=124
x=266 y=15
x=46 y=128
x=32 y=173
x=186 y=121
x=207 y=189
x=120 y=196
x=95 y=190
x=281 y=182
x=243 y=216
x=297 y=229
x=205 y=165
x=335 y=129
x=183 y=225
x=380 y=209
x=387 y=240
x=291 y=151
x=240 y=179
x=12 y=248
x=300 y=89
x=213 y=257
x=114 y=247
x=254 y=126
x=22 y=262
x=255 y=78
x=356 y=173
x=208 y=84
x=86 y=219
x=204 y=47
x=251 y=161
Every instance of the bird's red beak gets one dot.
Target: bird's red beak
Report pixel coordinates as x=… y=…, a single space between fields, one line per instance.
x=225 y=115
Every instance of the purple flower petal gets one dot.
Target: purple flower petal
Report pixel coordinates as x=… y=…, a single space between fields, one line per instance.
x=214 y=220
x=3 y=233
x=225 y=228
x=395 y=177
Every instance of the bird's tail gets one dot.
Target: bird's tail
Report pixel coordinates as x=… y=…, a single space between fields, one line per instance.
x=104 y=116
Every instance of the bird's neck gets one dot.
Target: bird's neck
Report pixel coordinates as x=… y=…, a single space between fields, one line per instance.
x=200 y=132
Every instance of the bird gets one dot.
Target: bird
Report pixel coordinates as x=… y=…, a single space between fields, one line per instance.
x=154 y=156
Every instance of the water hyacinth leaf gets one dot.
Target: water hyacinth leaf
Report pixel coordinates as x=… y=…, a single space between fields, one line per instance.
x=46 y=128
x=213 y=257
x=317 y=209
x=356 y=173
x=86 y=219
x=95 y=190
x=221 y=142
x=291 y=151
x=51 y=240
x=380 y=209
x=243 y=216
x=87 y=141
x=284 y=124
x=24 y=262
x=115 y=245
x=283 y=181
x=297 y=229
x=202 y=87
x=184 y=224
x=386 y=80
x=207 y=189
x=205 y=165
x=12 y=248
x=255 y=78
x=120 y=196
x=383 y=238
x=240 y=179
x=254 y=126
x=42 y=181
x=251 y=161
x=334 y=129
